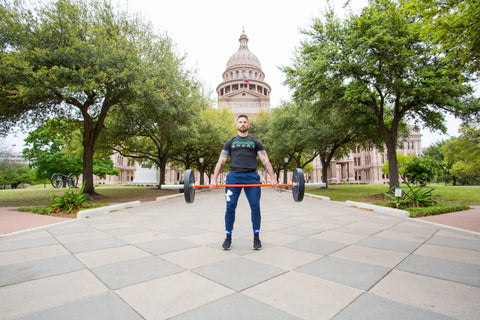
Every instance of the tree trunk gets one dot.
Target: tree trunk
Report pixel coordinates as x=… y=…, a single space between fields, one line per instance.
x=88 y=146
x=391 y=144
x=325 y=174
x=163 y=165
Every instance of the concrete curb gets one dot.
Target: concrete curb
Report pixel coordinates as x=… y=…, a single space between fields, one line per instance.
x=385 y=210
x=317 y=197
x=173 y=196
x=367 y=206
x=85 y=214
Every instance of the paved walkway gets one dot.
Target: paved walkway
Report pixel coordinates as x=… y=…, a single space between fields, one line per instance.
x=162 y=260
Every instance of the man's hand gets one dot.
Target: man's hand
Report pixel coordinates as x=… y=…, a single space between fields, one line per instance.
x=274 y=182
x=213 y=184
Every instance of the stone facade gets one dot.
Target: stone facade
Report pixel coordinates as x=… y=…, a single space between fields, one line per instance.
x=368 y=164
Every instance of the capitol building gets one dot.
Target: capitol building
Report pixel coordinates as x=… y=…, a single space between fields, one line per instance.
x=244 y=90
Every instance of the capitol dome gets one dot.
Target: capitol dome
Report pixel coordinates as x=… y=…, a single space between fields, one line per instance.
x=243 y=56
x=243 y=89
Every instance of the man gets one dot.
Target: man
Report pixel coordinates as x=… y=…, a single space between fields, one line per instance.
x=243 y=151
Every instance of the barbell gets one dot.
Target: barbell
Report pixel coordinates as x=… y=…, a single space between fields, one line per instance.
x=298 y=185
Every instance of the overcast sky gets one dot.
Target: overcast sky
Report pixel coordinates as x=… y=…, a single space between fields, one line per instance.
x=207 y=32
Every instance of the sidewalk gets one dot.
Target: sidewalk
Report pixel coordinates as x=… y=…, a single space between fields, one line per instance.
x=12 y=220
x=468 y=219
x=162 y=260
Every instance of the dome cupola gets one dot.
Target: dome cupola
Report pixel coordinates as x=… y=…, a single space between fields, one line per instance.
x=243 y=57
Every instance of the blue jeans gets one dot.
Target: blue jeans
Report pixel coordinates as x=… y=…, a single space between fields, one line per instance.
x=252 y=193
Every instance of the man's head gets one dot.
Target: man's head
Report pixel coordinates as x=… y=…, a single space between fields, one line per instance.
x=243 y=124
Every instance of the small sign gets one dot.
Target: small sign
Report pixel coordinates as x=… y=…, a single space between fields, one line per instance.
x=398 y=192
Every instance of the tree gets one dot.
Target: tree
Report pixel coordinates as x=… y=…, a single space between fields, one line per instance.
x=205 y=139
x=157 y=125
x=291 y=134
x=14 y=174
x=463 y=153
x=388 y=72
x=452 y=24
x=434 y=151
x=69 y=58
x=421 y=170
x=53 y=148
x=402 y=161
x=260 y=128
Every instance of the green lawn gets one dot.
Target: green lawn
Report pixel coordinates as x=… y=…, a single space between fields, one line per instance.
x=370 y=193
x=37 y=195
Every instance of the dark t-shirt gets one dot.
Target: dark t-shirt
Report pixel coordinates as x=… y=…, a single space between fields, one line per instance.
x=243 y=153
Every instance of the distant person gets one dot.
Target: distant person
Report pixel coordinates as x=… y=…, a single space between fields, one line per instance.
x=243 y=151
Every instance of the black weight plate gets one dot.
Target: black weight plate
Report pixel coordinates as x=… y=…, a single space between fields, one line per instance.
x=298 y=189
x=189 y=186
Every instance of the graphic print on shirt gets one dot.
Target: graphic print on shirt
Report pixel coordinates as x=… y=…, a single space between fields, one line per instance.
x=243 y=144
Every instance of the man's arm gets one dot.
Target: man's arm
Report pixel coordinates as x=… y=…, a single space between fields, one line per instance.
x=221 y=161
x=264 y=158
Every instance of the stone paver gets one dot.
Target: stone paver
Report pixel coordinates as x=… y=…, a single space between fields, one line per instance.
x=162 y=260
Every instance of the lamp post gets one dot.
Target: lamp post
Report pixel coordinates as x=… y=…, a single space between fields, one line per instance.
x=285 y=172
x=45 y=181
x=201 y=170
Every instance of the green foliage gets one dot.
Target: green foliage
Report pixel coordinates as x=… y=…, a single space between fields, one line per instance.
x=416 y=196
x=53 y=147
x=205 y=139
x=434 y=152
x=386 y=72
x=402 y=161
x=291 y=133
x=69 y=202
x=15 y=174
x=421 y=170
x=434 y=210
x=454 y=25
x=158 y=126
x=47 y=148
x=463 y=153
x=79 y=59
x=104 y=167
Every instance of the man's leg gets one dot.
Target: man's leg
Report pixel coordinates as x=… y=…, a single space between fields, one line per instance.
x=253 y=195
x=231 y=198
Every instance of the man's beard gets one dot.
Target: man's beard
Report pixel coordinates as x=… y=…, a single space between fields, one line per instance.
x=243 y=129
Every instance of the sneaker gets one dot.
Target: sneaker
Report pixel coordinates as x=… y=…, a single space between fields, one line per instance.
x=257 y=244
x=227 y=244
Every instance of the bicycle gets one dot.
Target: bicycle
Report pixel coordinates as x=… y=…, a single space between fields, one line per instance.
x=61 y=180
